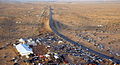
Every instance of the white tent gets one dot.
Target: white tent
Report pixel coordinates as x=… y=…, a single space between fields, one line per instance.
x=24 y=49
x=22 y=40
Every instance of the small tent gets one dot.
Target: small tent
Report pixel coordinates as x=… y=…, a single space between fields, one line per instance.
x=24 y=49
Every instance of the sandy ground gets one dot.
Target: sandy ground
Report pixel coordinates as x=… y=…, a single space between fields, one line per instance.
x=17 y=20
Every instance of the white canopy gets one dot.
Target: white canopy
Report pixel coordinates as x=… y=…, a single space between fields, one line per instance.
x=24 y=49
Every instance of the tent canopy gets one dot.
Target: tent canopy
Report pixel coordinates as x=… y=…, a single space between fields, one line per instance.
x=24 y=49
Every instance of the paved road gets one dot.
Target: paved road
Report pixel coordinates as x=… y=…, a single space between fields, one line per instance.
x=51 y=23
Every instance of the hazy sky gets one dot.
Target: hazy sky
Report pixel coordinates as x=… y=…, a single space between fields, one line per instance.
x=59 y=0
